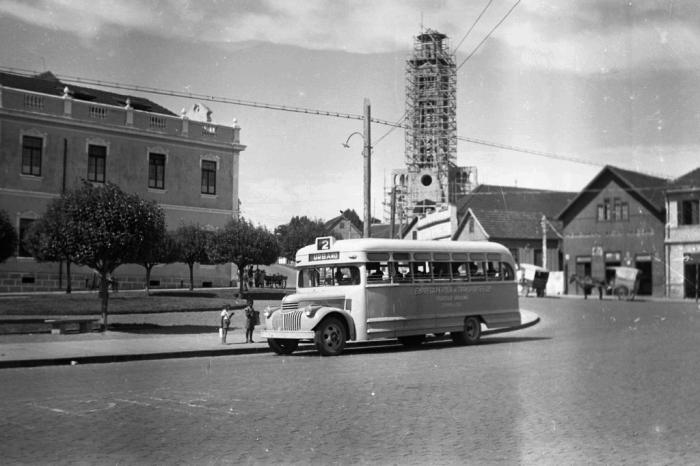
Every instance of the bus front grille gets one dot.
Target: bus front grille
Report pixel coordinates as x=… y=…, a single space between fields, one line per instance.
x=287 y=320
x=289 y=306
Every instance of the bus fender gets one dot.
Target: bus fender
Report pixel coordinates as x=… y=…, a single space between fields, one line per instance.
x=323 y=311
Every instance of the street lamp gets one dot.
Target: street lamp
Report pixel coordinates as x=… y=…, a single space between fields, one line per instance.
x=367 y=176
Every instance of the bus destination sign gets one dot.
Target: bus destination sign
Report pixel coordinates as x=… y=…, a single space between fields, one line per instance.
x=324 y=256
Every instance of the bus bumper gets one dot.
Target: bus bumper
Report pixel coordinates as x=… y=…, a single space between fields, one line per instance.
x=290 y=335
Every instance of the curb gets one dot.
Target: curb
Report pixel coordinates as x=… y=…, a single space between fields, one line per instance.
x=533 y=319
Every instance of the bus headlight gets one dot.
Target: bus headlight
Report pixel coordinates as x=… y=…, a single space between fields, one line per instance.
x=267 y=312
x=310 y=311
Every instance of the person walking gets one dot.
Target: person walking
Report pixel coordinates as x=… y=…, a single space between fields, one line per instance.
x=251 y=319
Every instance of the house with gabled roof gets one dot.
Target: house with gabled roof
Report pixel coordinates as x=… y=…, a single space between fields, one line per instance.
x=682 y=242
x=341 y=227
x=617 y=219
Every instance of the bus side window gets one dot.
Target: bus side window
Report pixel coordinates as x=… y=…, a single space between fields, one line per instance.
x=459 y=272
x=401 y=272
x=377 y=272
x=441 y=271
x=493 y=270
x=508 y=273
x=476 y=271
x=420 y=271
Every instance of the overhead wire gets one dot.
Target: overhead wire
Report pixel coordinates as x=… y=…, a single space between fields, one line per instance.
x=488 y=35
x=473 y=25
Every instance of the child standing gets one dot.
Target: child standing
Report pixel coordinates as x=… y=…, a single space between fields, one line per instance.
x=251 y=319
x=226 y=315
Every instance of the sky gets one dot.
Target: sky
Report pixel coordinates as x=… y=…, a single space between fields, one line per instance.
x=589 y=82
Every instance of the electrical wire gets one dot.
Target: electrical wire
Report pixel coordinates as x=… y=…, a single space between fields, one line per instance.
x=488 y=35
x=473 y=25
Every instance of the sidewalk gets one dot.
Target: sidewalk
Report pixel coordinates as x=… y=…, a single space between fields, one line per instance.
x=89 y=348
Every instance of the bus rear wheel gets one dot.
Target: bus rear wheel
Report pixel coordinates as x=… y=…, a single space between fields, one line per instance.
x=471 y=333
x=282 y=345
x=330 y=337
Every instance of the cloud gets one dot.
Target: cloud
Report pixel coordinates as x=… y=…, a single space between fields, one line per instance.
x=596 y=36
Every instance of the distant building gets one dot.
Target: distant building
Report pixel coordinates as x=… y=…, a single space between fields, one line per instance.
x=617 y=219
x=53 y=136
x=341 y=227
x=682 y=242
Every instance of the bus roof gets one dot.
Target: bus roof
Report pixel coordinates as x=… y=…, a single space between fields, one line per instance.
x=403 y=245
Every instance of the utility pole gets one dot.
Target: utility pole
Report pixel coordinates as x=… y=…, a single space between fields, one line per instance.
x=392 y=221
x=367 y=177
x=544 y=242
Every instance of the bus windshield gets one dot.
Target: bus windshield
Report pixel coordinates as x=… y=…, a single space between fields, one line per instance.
x=328 y=275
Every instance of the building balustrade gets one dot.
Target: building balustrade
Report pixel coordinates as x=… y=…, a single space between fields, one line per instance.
x=67 y=107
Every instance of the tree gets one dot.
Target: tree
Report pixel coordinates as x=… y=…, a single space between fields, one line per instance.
x=243 y=244
x=49 y=239
x=8 y=237
x=163 y=250
x=191 y=241
x=107 y=228
x=299 y=232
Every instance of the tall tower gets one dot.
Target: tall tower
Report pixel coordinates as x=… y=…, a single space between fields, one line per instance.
x=431 y=179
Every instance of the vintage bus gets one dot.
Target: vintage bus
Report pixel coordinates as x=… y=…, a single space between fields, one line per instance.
x=369 y=289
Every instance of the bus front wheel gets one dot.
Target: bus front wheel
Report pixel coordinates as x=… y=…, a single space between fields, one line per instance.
x=330 y=337
x=471 y=333
x=282 y=345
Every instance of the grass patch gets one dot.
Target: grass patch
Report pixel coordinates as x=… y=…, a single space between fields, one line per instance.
x=123 y=302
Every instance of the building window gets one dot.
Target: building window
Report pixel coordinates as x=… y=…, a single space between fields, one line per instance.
x=24 y=225
x=471 y=225
x=156 y=171
x=625 y=212
x=688 y=212
x=208 y=177
x=97 y=156
x=31 y=155
x=601 y=213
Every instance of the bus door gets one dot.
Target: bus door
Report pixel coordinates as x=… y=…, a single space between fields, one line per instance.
x=380 y=296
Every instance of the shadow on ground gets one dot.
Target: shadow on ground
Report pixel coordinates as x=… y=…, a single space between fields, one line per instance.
x=153 y=329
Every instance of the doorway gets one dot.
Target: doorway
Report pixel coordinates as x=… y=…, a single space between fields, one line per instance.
x=646 y=284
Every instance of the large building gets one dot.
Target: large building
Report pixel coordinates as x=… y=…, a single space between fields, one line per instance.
x=430 y=180
x=618 y=219
x=55 y=135
x=683 y=236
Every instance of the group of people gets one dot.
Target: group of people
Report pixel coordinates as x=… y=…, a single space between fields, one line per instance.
x=252 y=318
x=254 y=278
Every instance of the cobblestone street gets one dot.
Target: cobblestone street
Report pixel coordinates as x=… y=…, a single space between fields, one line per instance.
x=594 y=382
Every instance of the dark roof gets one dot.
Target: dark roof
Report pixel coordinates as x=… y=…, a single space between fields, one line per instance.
x=47 y=83
x=383 y=230
x=689 y=180
x=511 y=198
x=512 y=224
x=647 y=189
